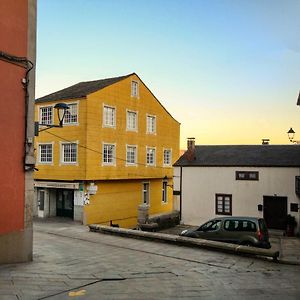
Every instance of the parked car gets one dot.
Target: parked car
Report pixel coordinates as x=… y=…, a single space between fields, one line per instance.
x=248 y=231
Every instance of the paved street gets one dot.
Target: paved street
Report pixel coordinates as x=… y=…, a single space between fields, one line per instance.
x=72 y=263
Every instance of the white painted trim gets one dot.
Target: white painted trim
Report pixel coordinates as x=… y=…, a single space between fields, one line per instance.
x=148 y=192
x=39 y=113
x=138 y=89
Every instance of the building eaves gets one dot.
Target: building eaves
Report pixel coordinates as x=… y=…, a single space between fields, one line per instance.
x=243 y=156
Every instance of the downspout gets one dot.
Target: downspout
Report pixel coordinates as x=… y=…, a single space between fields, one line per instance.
x=180 y=201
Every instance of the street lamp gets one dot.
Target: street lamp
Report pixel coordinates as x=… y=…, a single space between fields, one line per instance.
x=61 y=112
x=291 y=135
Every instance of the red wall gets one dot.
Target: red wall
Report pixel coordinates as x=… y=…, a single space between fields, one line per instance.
x=13 y=40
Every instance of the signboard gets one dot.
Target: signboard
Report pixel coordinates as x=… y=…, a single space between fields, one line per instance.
x=57 y=185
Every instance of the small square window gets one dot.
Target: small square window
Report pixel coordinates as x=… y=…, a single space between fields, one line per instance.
x=71 y=116
x=45 y=153
x=69 y=152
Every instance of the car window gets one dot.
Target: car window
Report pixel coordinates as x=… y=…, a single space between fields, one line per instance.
x=239 y=225
x=210 y=226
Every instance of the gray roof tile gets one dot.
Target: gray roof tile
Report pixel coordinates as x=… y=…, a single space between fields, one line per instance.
x=244 y=155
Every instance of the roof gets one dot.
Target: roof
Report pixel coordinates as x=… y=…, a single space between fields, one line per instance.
x=244 y=155
x=81 y=89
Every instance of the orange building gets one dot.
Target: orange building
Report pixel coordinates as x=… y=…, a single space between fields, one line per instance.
x=17 y=75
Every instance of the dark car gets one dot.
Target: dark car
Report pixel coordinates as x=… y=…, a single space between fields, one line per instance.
x=248 y=231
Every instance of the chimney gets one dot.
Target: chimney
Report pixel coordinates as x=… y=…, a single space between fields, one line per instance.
x=265 y=141
x=190 y=153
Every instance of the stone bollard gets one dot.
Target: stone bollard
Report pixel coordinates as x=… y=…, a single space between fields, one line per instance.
x=143 y=214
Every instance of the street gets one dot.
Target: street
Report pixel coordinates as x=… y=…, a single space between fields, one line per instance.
x=72 y=263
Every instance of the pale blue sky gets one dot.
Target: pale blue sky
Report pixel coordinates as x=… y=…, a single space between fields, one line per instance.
x=229 y=71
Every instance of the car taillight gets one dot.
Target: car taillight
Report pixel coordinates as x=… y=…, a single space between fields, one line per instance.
x=260 y=235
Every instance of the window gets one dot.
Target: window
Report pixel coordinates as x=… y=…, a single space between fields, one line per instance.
x=71 y=116
x=246 y=175
x=164 y=191
x=109 y=154
x=150 y=159
x=167 y=157
x=151 y=124
x=109 y=116
x=46 y=115
x=131 y=155
x=134 y=89
x=45 y=153
x=146 y=196
x=210 y=226
x=69 y=152
x=223 y=204
x=131 y=120
x=240 y=225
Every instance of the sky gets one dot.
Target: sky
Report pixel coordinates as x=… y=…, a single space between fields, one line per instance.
x=227 y=70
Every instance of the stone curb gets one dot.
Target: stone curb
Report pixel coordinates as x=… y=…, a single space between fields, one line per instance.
x=185 y=241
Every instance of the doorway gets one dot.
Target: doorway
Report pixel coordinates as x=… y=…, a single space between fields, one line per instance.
x=275 y=212
x=65 y=203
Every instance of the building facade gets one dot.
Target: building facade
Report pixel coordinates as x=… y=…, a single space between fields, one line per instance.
x=250 y=180
x=114 y=152
x=17 y=81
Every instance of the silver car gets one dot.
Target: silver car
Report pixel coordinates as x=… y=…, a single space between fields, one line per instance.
x=248 y=231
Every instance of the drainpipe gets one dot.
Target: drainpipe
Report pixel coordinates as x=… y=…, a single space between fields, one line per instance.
x=180 y=201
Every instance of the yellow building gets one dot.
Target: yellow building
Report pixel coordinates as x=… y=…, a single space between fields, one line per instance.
x=114 y=152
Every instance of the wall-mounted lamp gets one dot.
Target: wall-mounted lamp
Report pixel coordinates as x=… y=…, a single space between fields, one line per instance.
x=291 y=135
x=61 y=112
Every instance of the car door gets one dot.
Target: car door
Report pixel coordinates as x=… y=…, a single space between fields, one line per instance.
x=209 y=230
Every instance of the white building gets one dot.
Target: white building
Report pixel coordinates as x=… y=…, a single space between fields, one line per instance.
x=240 y=180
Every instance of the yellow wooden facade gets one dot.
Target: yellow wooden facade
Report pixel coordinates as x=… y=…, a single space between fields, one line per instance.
x=119 y=186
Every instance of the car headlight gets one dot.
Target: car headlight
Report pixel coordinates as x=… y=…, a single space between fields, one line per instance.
x=183 y=232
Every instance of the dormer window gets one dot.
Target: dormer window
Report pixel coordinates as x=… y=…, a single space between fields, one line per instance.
x=134 y=89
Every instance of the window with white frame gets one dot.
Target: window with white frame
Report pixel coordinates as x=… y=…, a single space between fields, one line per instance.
x=167 y=157
x=45 y=153
x=146 y=193
x=134 y=89
x=151 y=124
x=109 y=116
x=150 y=156
x=69 y=152
x=131 y=120
x=71 y=116
x=46 y=115
x=109 y=154
x=131 y=155
x=164 y=191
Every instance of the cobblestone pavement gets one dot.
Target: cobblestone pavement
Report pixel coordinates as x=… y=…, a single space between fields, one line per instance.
x=72 y=263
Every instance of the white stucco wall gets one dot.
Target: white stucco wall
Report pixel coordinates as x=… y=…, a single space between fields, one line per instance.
x=200 y=184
